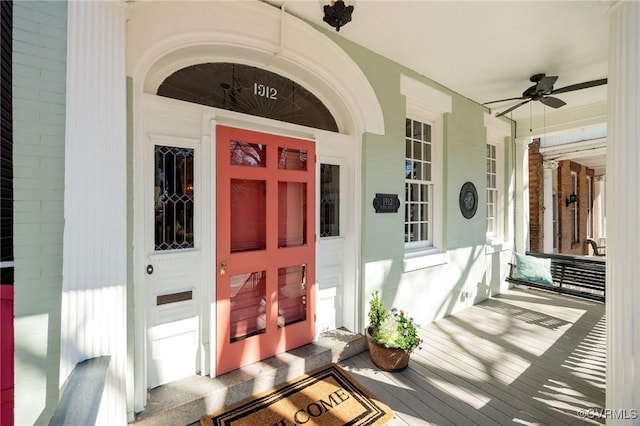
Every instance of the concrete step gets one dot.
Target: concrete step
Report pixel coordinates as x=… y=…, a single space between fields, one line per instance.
x=183 y=402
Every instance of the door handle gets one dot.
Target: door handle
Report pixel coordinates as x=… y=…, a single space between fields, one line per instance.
x=149 y=269
x=223 y=268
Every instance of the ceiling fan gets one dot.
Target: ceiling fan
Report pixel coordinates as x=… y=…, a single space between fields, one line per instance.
x=542 y=91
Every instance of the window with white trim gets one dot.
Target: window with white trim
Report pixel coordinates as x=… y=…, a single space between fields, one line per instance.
x=424 y=183
x=492 y=192
x=498 y=231
x=418 y=187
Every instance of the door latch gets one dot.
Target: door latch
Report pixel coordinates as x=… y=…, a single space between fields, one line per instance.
x=223 y=268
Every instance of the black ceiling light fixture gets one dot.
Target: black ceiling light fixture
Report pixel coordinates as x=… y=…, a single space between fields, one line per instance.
x=337 y=13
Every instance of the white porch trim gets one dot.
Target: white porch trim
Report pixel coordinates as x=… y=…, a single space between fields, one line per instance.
x=251 y=33
x=94 y=284
x=623 y=211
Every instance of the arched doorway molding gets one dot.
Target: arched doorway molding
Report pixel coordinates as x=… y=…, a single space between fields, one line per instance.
x=163 y=37
x=254 y=34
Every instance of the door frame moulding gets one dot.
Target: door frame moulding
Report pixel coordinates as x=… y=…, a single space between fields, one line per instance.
x=159 y=44
x=349 y=237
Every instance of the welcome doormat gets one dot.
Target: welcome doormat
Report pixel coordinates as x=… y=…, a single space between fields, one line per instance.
x=326 y=397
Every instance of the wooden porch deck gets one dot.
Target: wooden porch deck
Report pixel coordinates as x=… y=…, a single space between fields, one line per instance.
x=524 y=357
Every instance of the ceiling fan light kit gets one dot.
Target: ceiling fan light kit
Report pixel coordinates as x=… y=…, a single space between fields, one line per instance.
x=542 y=91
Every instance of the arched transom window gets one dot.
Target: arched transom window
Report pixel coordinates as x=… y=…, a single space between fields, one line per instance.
x=248 y=90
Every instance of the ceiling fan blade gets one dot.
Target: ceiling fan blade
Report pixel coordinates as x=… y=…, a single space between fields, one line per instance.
x=553 y=102
x=508 y=110
x=546 y=84
x=519 y=98
x=579 y=86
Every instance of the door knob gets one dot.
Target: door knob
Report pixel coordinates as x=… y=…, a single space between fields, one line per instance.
x=223 y=268
x=149 y=269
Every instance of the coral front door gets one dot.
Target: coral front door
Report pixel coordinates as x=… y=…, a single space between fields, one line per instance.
x=265 y=191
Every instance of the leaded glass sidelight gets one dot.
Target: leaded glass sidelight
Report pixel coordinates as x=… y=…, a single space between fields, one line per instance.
x=173 y=198
x=329 y=200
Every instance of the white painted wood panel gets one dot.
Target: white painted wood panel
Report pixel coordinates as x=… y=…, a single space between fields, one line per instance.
x=173 y=329
x=94 y=256
x=623 y=209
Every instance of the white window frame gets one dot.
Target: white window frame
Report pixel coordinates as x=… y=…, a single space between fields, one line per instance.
x=498 y=134
x=428 y=105
x=422 y=244
x=492 y=175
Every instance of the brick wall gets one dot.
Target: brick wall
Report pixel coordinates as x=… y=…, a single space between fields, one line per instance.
x=564 y=190
x=536 y=198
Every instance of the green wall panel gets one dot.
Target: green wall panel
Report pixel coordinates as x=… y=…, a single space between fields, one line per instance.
x=39 y=112
x=436 y=291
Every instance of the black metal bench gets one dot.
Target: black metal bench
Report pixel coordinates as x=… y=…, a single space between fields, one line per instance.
x=574 y=275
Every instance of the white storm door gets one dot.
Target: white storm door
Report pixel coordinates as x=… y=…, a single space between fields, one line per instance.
x=174 y=258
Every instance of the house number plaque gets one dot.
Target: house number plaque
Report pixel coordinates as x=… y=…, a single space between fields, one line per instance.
x=265 y=91
x=386 y=203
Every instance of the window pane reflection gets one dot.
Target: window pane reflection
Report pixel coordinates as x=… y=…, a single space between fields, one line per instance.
x=248 y=305
x=292 y=218
x=248 y=215
x=247 y=154
x=292 y=294
x=292 y=159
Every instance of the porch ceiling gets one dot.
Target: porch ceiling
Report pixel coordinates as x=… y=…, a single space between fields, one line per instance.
x=487 y=50
x=586 y=145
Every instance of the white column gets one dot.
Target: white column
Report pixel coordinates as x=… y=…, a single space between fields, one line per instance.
x=94 y=310
x=623 y=210
x=548 y=169
x=599 y=229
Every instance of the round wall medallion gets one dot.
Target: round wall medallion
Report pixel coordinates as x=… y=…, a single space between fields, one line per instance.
x=468 y=200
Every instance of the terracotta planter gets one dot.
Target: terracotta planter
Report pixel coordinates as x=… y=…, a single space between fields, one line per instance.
x=387 y=359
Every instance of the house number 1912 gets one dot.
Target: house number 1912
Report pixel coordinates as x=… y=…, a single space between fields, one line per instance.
x=265 y=91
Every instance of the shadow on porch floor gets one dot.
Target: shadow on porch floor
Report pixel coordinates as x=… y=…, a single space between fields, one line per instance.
x=524 y=357
x=184 y=401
